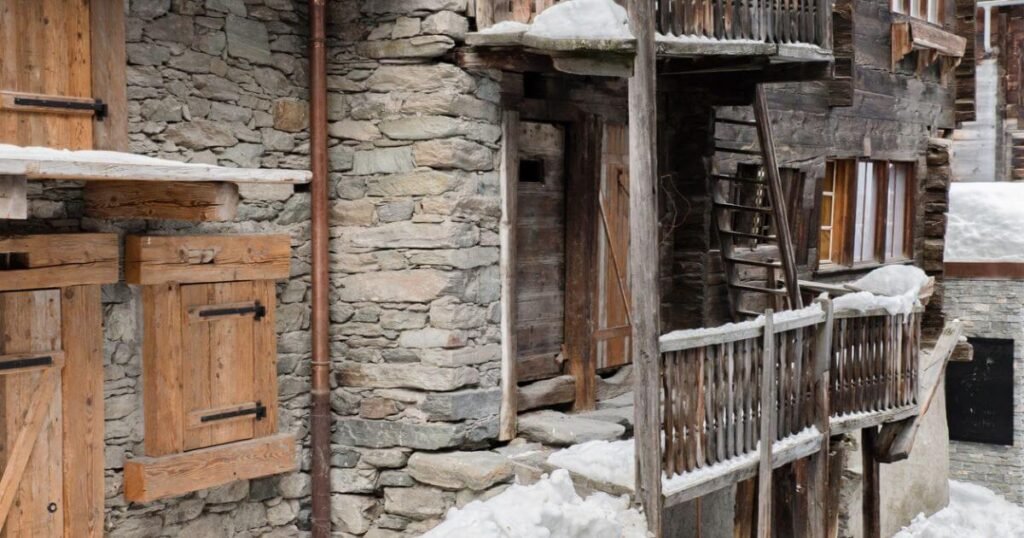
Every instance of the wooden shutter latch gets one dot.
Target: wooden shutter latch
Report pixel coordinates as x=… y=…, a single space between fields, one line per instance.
x=260 y=412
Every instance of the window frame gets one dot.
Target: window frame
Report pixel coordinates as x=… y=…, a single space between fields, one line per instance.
x=930 y=11
x=845 y=178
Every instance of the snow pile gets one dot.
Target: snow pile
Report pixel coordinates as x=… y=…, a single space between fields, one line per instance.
x=35 y=153
x=985 y=220
x=551 y=508
x=506 y=27
x=582 y=19
x=972 y=511
x=893 y=287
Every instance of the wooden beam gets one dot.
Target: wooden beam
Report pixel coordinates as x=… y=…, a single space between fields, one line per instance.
x=838 y=449
x=17 y=456
x=82 y=402
x=768 y=429
x=509 y=180
x=643 y=261
x=162 y=369
x=13 y=197
x=109 y=77
x=515 y=60
x=984 y=270
x=817 y=480
x=872 y=499
x=197 y=202
x=30 y=262
x=203 y=259
x=147 y=479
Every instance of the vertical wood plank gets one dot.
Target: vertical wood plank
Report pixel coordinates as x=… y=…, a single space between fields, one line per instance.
x=264 y=343
x=162 y=370
x=109 y=78
x=509 y=179
x=872 y=488
x=82 y=399
x=768 y=417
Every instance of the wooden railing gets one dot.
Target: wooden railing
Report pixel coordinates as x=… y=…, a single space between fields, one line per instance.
x=769 y=21
x=874 y=367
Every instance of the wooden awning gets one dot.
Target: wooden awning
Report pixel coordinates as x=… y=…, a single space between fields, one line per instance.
x=932 y=41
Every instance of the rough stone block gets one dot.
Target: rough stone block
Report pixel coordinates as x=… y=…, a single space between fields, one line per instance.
x=415 y=376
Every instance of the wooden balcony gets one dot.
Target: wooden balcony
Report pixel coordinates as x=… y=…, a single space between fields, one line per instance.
x=780 y=30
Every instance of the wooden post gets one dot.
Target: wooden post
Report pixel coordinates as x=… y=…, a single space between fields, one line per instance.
x=837 y=462
x=780 y=219
x=643 y=261
x=817 y=480
x=768 y=412
x=507 y=231
x=872 y=501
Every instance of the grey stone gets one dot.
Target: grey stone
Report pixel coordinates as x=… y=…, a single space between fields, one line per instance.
x=405 y=27
x=354 y=130
x=416 y=235
x=402 y=319
x=253 y=515
x=353 y=513
x=248 y=40
x=460 y=470
x=200 y=134
x=417 y=183
x=448 y=23
x=450 y=314
x=386 y=458
x=412 y=6
x=462 y=404
x=352 y=212
x=146 y=54
x=395 y=479
x=417 y=502
x=383 y=161
x=291 y=115
x=385 y=434
x=244 y=155
x=149 y=9
x=234 y=7
x=171 y=27
x=405 y=375
x=281 y=513
x=415 y=47
x=412 y=286
x=453 y=153
x=228 y=493
x=396 y=211
x=353 y=480
x=463 y=258
x=555 y=428
x=461 y=357
x=420 y=78
x=209 y=526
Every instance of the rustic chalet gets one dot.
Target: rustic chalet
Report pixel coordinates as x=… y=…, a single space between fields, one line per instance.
x=524 y=226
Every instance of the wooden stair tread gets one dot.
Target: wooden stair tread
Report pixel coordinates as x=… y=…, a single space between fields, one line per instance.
x=757 y=289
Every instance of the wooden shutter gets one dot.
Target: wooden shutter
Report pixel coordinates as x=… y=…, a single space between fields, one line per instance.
x=46 y=55
x=221 y=387
x=612 y=335
x=30 y=414
x=966 y=28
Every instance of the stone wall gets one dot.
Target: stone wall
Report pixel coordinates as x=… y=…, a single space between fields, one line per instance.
x=415 y=304
x=220 y=81
x=992 y=309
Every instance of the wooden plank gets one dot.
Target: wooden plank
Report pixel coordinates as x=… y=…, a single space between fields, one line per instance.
x=264 y=345
x=211 y=258
x=985 y=270
x=509 y=180
x=197 y=202
x=109 y=77
x=872 y=501
x=162 y=375
x=768 y=427
x=930 y=37
x=82 y=398
x=90 y=166
x=13 y=197
x=59 y=260
x=643 y=267
x=818 y=470
x=147 y=479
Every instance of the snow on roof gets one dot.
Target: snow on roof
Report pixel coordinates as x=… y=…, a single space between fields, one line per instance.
x=985 y=222
x=551 y=507
x=973 y=511
x=893 y=287
x=582 y=19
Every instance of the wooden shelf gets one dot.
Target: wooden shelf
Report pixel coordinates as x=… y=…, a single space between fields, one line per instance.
x=31 y=262
x=148 y=479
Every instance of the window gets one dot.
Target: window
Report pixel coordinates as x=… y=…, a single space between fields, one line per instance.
x=865 y=212
x=929 y=10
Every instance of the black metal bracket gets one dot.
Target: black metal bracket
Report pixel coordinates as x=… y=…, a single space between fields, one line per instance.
x=26 y=363
x=257 y=310
x=260 y=413
x=98 y=107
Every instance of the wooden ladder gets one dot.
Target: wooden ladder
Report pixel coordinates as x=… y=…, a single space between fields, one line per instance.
x=750 y=218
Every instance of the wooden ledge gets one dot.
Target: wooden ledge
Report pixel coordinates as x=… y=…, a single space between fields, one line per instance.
x=31 y=262
x=985 y=270
x=148 y=479
x=189 y=259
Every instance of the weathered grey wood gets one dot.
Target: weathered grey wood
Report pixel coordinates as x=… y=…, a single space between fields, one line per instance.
x=690 y=339
x=768 y=419
x=643 y=250
x=817 y=481
x=509 y=179
x=93 y=167
x=13 y=197
x=872 y=500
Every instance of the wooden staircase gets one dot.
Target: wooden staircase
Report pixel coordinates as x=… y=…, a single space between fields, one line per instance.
x=751 y=222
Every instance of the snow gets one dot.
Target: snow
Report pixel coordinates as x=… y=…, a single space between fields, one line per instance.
x=506 y=27
x=550 y=508
x=35 y=153
x=984 y=222
x=893 y=287
x=973 y=511
x=582 y=19
x=689 y=38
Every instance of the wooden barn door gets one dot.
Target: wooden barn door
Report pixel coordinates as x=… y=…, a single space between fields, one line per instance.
x=31 y=491
x=613 y=329
x=46 y=58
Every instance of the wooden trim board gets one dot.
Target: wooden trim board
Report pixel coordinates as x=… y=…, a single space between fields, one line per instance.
x=148 y=479
x=206 y=259
x=197 y=202
x=985 y=270
x=59 y=260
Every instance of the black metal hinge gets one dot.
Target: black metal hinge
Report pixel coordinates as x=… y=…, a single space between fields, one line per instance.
x=26 y=363
x=260 y=412
x=257 y=310
x=98 y=107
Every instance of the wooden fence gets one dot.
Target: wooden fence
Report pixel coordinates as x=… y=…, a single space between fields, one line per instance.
x=770 y=21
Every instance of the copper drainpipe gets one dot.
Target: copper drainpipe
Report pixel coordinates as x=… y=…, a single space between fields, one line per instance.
x=320 y=420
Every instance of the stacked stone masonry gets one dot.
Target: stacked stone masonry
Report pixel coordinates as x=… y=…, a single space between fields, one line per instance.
x=992 y=309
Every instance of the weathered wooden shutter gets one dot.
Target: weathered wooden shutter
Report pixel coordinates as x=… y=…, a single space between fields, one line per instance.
x=841 y=85
x=31 y=502
x=613 y=330
x=46 y=60
x=224 y=329
x=966 y=27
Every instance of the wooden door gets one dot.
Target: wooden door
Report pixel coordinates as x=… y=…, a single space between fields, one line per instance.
x=613 y=328
x=221 y=325
x=46 y=55
x=540 y=250
x=30 y=414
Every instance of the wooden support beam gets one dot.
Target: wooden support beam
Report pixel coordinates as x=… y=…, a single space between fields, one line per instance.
x=768 y=429
x=162 y=369
x=509 y=180
x=837 y=449
x=207 y=258
x=148 y=479
x=817 y=479
x=109 y=77
x=13 y=197
x=30 y=262
x=643 y=262
x=197 y=202
x=872 y=500
x=82 y=401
